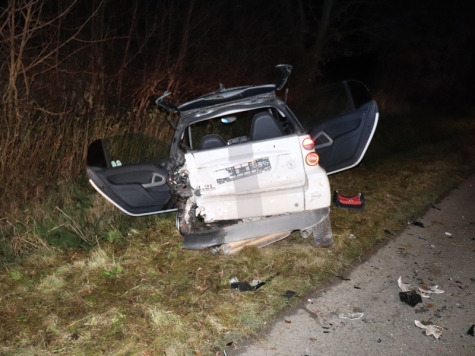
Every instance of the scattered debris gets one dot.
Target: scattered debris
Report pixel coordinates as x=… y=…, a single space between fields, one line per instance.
x=356 y=287
x=416 y=223
x=429 y=290
x=434 y=207
x=288 y=321
x=387 y=232
x=413 y=296
x=351 y=236
x=471 y=330
x=404 y=286
x=351 y=316
x=379 y=341
x=312 y=339
x=232 y=248
x=448 y=234
x=343 y=278
x=289 y=294
x=410 y=298
x=430 y=329
x=246 y=286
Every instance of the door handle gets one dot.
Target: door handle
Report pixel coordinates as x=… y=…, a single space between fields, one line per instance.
x=156 y=181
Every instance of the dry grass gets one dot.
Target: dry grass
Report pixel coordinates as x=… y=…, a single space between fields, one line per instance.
x=137 y=292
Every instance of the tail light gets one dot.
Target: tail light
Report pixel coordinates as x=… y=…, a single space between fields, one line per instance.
x=312 y=159
x=308 y=144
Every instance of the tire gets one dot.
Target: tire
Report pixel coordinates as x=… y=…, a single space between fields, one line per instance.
x=322 y=234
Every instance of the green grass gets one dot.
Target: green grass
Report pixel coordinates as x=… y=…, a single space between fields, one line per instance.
x=81 y=278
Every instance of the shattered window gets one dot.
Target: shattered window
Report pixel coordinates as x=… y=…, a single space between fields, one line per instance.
x=228 y=129
x=135 y=148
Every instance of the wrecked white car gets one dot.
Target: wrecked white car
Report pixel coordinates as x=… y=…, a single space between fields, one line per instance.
x=241 y=168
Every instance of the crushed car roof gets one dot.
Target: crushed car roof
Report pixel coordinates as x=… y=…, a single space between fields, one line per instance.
x=223 y=95
x=226 y=95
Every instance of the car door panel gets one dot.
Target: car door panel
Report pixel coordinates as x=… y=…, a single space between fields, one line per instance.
x=341 y=119
x=350 y=134
x=136 y=189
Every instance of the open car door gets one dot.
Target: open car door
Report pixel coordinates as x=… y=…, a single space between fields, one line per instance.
x=131 y=172
x=341 y=119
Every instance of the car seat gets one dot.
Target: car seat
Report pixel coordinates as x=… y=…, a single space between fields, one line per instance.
x=211 y=141
x=265 y=126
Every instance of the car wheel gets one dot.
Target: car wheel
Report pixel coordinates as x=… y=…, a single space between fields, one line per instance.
x=322 y=233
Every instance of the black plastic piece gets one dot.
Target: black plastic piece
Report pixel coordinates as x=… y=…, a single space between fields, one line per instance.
x=410 y=298
x=246 y=287
x=285 y=70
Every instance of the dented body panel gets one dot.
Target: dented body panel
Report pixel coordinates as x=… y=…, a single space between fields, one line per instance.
x=248 y=180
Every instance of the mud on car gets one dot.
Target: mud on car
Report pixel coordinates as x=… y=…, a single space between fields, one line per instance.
x=241 y=168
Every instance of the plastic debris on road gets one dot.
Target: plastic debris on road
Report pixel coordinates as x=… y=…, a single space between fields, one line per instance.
x=430 y=329
x=351 y=316
x=448 y=234
x=408 y=294
x=471 y=330
x=425 y=292
x=416 y=223
x=404 y=286
x=410 y=298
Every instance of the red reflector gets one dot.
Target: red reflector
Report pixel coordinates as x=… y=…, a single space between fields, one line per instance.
x=308 y=144
x=312 y=159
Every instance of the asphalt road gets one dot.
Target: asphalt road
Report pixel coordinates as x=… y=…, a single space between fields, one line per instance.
x=440 y=253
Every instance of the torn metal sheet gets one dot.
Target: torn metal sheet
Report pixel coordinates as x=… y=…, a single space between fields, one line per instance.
x=430 y=329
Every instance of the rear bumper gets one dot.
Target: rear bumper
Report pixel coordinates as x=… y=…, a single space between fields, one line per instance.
x=248 y=230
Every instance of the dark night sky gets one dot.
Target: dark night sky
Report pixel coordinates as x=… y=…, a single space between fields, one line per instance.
x=131 y=49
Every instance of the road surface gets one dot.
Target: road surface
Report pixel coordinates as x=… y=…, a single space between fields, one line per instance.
x=442 y=253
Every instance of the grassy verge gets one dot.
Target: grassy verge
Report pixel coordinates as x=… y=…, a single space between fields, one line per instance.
x=98 y=282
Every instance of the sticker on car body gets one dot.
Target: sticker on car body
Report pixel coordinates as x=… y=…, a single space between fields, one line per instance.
x=243 y=170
